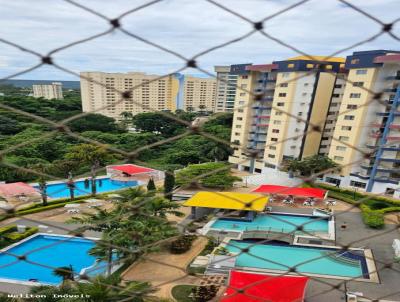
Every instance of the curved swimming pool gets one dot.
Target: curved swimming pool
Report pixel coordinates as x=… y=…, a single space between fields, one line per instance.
x=46 y=252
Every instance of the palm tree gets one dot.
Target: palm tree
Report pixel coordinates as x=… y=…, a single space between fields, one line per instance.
x=43 y=190
x=65 y=272
x=104 y=252
x=71 y=186
x=91 y=155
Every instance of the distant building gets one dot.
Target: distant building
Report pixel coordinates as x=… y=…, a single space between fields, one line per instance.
x=226 y=89
x=48 y=91
x=199 y=94
x=153 y=93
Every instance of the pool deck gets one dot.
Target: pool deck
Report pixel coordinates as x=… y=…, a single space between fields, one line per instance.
x=358 y=235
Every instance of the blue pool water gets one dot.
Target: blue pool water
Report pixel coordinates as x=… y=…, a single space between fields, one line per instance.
x=61 y=190
x=273 y=222
x=58 y=252
x=282 y=257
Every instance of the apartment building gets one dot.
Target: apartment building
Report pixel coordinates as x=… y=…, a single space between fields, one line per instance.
x=226 y=87
x=48 y=91
x=199 y=94
x=152 y=93
x=370 y=126
x=288 y=97
x=252 y=115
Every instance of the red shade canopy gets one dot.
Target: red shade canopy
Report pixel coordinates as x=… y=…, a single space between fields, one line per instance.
x=16 y=188
x=300 y=192
x=131 y=169
x=248 y=287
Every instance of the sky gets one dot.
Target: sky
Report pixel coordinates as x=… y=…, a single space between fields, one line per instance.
x=188 y=27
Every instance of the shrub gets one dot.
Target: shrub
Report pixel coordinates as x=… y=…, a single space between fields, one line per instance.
x=371 y=218
x=204 y=293
x=182 y=244
x=15 y=236
x=8 y=229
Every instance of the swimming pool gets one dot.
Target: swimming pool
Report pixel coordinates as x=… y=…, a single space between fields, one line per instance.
x=56 y=251
x=61 y=190
x=281 y=257
x=274 y=222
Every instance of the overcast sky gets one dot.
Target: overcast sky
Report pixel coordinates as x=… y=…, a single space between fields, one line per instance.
x=188 y=27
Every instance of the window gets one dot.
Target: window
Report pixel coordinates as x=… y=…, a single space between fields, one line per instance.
x=346 y=128
x=334 y=104
x=305 y=84
x=310 y=65
x=274 y=139
x=282 y=94
x=361 y=71
x=355 y=95
x=240 y=110
x=242 y=94
x=292 y=147
x=275 y=130
x=338 y=85
x=355 y=61
x=358 y=84
x=243 y=86
x=239 y=118
x=271 y=155
x=284 y=85
x=328 y=66
x=300 y=113
x=285 y=74
x=343 y=138
x=277 y=122
x=351 y=106
x=237 y=133
x=339 y=158
x=244 y=76
x=336 y=95
x=241 y=102
x=358 y=184
x=304 y=94
x=290 y=65
x=278 y=113
x=349 y=117
x=341 y=148
x=272 y=147
x=280 y=104
x=238 y=126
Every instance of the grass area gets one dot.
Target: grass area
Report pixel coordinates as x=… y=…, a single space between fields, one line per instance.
x=9 y=234
x=181 y=293
x=373 y=207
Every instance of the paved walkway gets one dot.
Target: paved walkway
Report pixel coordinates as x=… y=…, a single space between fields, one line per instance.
x=164 y=270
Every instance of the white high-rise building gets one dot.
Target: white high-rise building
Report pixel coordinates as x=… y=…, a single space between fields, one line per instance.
x=48 y=91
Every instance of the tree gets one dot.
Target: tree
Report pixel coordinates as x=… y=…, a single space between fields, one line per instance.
x=65 y=272
x=91 y=155
x=9 y=126
x=309 y=165
x=43 y=191
x=213 y=175
x=204 y=293
x=151 y=186
x=93 y=122
x=169 y=184
x=158 y=123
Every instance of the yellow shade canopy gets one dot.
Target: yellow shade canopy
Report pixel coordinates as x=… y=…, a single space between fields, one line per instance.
x=228 y=200
x=318 y=58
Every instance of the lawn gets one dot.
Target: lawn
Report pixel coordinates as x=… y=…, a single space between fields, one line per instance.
x=181 y=293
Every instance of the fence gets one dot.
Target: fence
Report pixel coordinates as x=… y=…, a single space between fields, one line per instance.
x=322 y=289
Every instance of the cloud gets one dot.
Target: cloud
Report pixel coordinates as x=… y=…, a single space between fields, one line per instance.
x=184 y=26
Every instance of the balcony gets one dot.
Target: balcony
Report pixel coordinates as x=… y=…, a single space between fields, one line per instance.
x=394 y=126
x=375 y=135
x=393 y=138
x=390 y=90
x=393 y=77
x=360 y=176
x=386 y=180
x=392 y=160
x=377 y=125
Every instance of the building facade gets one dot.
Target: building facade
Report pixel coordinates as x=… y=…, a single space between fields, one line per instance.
x=275 y=121
x=98 y=92
x=48 y=91
x=227 y=77
x=199 y=94
x=368 y=125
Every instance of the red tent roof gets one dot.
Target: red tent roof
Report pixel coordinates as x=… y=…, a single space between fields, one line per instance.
x=16 y=188
x=303 y=192
x=249 y=287
x=131 y=169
